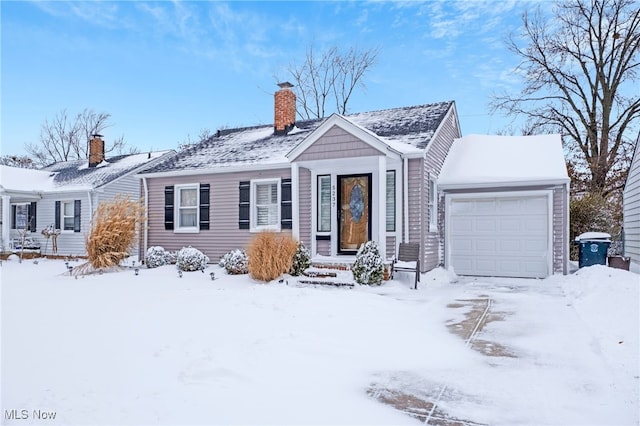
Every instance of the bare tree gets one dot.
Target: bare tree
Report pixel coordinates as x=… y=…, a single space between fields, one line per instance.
x=66 y=138
x=21 y=161
x=329 y=77
x=189 y=142
x=577 y=69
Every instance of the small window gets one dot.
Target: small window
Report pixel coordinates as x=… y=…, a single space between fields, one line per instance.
x=67 y=215
x=324 y=203
x=433 y=206
x=391 y=201
x=266 y=205
x=187 y=207
x=21 y=218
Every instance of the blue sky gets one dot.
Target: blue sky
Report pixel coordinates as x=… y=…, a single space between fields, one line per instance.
x=165 y=70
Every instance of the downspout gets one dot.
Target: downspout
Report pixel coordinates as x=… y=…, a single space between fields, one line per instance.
x=90 y=208
x=146 y=227
x=405 y=199
x=565 y=247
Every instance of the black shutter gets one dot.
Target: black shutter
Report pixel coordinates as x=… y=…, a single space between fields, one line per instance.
x=286 y=213
x=13 y=217
x=76 y=216
x=204 y=206
x=57 y=215
x=245 y=205
x=168 y=207
x=32 y=216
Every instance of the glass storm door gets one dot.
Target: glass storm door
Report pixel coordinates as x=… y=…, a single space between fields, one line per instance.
x=354 y=212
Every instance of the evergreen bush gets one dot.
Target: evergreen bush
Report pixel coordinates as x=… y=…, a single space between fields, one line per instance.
x=191 y=259
x=368 y=267
x=301 y=260
x=235 y=262
x=156 y=256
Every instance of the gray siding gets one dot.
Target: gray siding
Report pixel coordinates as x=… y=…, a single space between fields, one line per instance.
x=631 y=201
x=223 y=235
x=305 y=206
x=391 y=246
x=323 y=247
x=437 y=151
x=415 y=188
x=560 y=213
x=337 y=143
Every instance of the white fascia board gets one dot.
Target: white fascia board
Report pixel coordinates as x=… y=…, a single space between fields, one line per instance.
x=346 y=125
x=217 y=170
x=507 y=184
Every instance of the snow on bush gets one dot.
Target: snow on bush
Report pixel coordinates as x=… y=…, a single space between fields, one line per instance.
x=368 y=267
x=156 y=256
x=171 y=257
x=191 y=259
x=301 y=260
x=235 y=262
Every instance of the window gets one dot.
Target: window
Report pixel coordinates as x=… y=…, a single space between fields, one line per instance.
x=186 y=205
x=433 y=205
x=391 y=201
x=67 y=217
x=265 y=197
x=20 y=216
x=324 y=203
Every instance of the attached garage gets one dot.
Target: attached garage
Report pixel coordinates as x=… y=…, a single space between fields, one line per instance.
x=505 y=217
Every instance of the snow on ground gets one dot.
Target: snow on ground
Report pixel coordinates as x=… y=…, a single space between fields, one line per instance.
x=118 y=348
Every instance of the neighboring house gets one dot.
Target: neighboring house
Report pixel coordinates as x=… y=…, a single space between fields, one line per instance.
x=66 y=194
x=332 y=183
x=631 y=209
x=506 y=206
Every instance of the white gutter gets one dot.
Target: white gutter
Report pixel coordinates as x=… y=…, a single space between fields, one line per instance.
x=405 y=199
x=499 y=184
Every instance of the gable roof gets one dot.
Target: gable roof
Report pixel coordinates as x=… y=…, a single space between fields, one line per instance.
x=490 y=160
x=404 y=129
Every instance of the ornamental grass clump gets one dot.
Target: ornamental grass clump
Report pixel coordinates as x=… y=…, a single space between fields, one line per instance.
x=270 y=255
x=368 y=267
x=114 y=232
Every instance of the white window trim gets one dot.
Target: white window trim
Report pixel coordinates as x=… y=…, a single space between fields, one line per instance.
x=177 y=229
x=395 y=202
x=73 y=215
x=16 y=218
x=433 y=204
x=319 y=206
x=253 y=215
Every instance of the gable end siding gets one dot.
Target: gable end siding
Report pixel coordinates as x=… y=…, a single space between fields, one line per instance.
x=304 y=209
x=337 y=143
x=631 y=202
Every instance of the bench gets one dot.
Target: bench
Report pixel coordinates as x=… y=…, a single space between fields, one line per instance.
x=408 y=260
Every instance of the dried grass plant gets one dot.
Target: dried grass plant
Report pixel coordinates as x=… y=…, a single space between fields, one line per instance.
x=270 y=255
x=114 y=232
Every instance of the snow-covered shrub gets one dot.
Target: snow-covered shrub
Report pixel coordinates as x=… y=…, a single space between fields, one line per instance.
x=171 y=257
x=191 y=259
x=270 y=255
x=301 y=260
x=368 y=267
x=235 y=262
x=156 y=256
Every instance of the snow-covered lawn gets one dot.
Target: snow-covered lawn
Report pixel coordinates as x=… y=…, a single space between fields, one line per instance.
x=118 y=348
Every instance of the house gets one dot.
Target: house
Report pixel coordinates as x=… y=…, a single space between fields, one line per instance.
x=506 y=206
x=631 y=211
x=332 y=183
x=65 y=195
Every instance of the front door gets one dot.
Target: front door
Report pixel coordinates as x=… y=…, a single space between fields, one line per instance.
x=354 y=212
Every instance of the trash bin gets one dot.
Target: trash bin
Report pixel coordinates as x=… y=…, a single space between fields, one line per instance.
x=593 y=248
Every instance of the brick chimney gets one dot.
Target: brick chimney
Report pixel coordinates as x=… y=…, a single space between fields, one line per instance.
x=284 y=109
x=96 y=150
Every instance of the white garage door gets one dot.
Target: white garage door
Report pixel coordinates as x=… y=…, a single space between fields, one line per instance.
x=500 y=237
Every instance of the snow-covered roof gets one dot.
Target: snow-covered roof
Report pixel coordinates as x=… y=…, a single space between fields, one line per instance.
x=78 y=173
x=481 y=160
x=404 y=129
x=73 y=175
